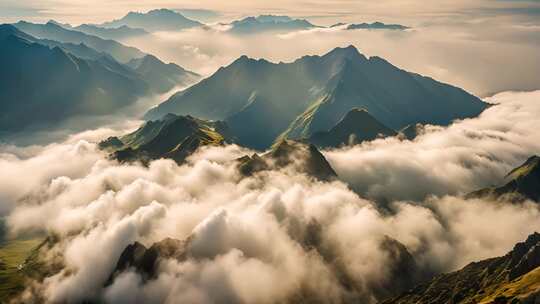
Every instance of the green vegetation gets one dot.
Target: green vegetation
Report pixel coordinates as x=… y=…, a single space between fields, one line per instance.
x=18 y=260
x=517 y=290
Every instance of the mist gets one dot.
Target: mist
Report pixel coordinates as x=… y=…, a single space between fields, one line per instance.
x=300 y=237
x=464 y=54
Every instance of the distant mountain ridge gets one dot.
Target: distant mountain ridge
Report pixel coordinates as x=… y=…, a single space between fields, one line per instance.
x=154 y=20
x=311 y=94
x=268 y=23
x=55 y=32
x=70 y=86
x=371 y=26
x=114 y=33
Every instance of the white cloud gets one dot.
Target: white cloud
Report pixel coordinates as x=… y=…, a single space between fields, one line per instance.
x=298 y=237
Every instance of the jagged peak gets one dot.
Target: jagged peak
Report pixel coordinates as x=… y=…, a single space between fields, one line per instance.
x=350 y=52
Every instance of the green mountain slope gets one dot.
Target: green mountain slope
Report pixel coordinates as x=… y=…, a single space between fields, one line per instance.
x=314 y=93
x=513 y=278
x=521 y=183
x=174 y=137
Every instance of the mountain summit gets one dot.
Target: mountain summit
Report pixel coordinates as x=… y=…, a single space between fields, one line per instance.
x=313 y=93
x=154 y=20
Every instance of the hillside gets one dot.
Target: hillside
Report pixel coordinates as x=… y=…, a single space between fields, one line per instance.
x=512 y=278
x=520 y=184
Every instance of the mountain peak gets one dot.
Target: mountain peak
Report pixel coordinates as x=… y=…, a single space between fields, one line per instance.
x=349 y=52
x=355 y=127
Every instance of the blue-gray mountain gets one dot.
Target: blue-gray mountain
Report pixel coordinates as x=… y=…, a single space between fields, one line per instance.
x=154 y=20
x=53 y=31
x=114 y=33
x=262 y=101
x=357 y=126
x=93 y=84
x=161 y=76
x=268 y=23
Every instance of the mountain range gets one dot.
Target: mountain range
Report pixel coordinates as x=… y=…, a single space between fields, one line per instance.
x=263 y=101
x=52 y=31
x=154 y=21
x=71 y=85
x=92 y=84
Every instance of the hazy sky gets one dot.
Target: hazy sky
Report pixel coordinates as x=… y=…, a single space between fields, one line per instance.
x=78 y=11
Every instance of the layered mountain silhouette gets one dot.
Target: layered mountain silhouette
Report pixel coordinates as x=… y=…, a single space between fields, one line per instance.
x=357 y=126
x=268 y=23
x=522 y=183
x=313 y=93
x=114 y=33
x=174 y=137
x=52 y=31
x=512 y=278
x=154 y=20
x=79 y=80
x=71 y=85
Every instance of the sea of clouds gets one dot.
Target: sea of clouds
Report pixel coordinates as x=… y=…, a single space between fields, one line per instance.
x=277 y=235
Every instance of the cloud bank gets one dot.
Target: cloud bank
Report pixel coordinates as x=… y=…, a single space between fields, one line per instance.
x=276 y=236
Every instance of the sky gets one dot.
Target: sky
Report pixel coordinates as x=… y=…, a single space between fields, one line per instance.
x=79 y=11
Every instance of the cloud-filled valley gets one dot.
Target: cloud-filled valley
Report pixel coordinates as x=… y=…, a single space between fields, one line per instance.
x=302 y=238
